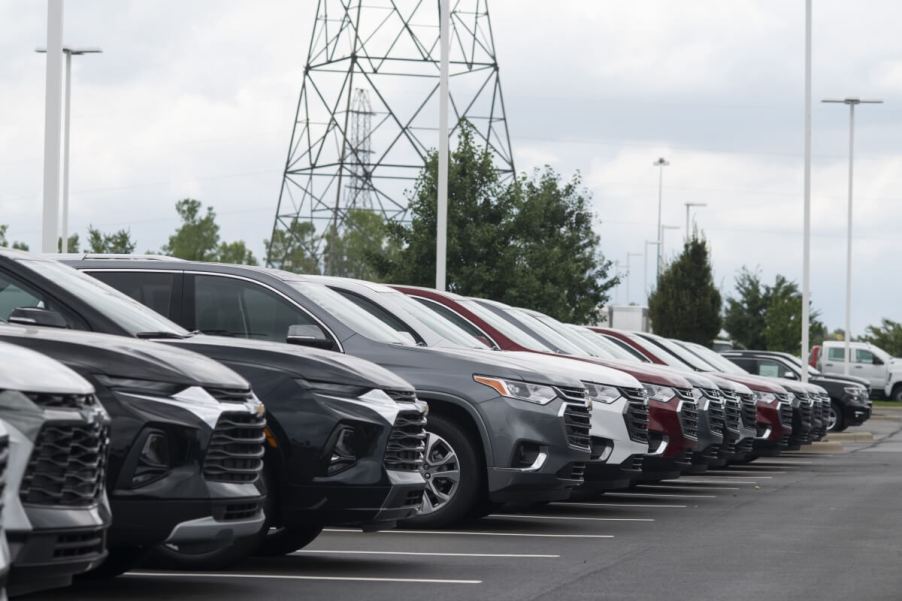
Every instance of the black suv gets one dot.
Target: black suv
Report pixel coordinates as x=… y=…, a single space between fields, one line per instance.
x=345 y=437
x=849 y=401
x=497 y=432
x=185 y=444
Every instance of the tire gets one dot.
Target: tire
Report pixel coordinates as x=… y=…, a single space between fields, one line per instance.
x=836 y=421
x=282 y=541
x=446 y=501
x=119 y=560
x=896 y=394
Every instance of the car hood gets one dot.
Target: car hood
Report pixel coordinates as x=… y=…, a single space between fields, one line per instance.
x=756 y=383
x=585 y=371
x=123 y=357
x=26 y=370
x=647 y=373
x=832 y=379
x=298 y=361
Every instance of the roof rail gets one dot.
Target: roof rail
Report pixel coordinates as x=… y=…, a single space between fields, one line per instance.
x=110 y=256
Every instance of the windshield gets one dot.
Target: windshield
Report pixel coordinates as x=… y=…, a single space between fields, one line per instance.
x=348 y=313
x=682 y=354
x=605 y=347
x=660 y=352
x=721 y=363
x=567 y=331
x=124 y=311
x=542 y=330
x=508 y=329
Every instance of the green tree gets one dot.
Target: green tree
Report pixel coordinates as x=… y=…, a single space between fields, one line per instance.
x=4 y=243
x=746 y=313
x=74 y=245
x=292 y=249
x=119 y=242
x=197 y=239
x=363 y=240
x=783 y=320
x=559 y=269
x=235 y=252
x=686 y=303
x=887 y=335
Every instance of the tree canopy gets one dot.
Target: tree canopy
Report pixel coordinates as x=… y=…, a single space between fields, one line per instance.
x=887 y=335
x=197 y=238
x=119 y=242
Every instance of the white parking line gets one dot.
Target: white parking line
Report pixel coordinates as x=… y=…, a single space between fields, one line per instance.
x=621 y=505
x=714 y=481
x=471 y=533
x=567 y=517
x=779 y=462
x=746 y=477
x=654 y=494
x=650 y=486
x=219 y=575
x=745 y=473
x=425 y=554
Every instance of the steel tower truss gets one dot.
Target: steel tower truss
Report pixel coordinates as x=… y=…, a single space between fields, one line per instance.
x=366 y=115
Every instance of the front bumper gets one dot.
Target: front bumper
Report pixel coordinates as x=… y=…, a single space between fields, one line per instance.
x=773 y=430
x=854 y=412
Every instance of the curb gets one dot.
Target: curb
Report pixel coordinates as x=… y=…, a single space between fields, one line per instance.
x=825 y=447
x=839 y=437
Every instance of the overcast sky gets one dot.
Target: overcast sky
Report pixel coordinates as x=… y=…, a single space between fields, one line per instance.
x=197 y=99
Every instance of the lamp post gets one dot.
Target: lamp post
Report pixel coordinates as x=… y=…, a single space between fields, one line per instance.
x=67 y=108
x=806 y=202
x=645 y=267
x=441 y=221
x=851 y=103
x=689 y=205
x=660 y=164
x=629 y=273
x=663 y=229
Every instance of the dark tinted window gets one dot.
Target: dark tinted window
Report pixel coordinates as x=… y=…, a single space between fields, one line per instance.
x=230 y=307
x=149 y=288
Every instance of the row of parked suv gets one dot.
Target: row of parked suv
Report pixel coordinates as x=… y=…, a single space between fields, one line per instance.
x=186 y=415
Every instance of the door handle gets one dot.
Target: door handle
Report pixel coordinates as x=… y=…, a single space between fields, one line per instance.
x=857 y=367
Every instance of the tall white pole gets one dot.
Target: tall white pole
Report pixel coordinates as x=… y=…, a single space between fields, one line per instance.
x=660 y=163
x=806 y=220
x=441 y=238
x=848 y=334
x=52 y=126
x=64 y=225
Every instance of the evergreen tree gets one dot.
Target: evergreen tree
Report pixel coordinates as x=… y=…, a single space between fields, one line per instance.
x=745 y=315
x=686 y=304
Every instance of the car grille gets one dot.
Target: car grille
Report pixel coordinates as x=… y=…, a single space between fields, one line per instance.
x=406 y=443
x=78 y=544
x=633 y=464
x=732 y=415
x=729 y=395
x=67 y=465
x=786 y=415
x=636 y=413
x=711 y=393
x=573 y=394
x=235 y=452
x=716 y=416
x=62 y=401
x=806 y=410
x=745 y=446
x=574 y=471
x=728 y=448
x=402 y=396
x=230 y=395
x=577 y=423
x=749 y=411
x=231 y=512
x=689 y=419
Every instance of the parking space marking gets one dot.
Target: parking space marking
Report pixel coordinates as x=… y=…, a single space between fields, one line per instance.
x=714 y=481
x=470 y=533
x=567 y=517
x=654 y=494
x=661 y=506
x=746 y=477
x=652 y=486
x=218 y=575
x=424 y=553
x=779 y=462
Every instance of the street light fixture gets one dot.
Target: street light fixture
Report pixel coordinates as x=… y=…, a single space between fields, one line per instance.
x=689 y=205
x=851 y=103
x=660 y=164
x=69 y=53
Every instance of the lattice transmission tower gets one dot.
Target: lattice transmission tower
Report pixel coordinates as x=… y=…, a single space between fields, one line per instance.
x=367 y=115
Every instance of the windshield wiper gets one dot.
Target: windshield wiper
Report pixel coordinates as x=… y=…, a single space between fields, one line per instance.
x=160 y=334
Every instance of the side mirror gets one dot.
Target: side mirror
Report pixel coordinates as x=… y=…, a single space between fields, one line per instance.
x=790 y=375
x=877 y=360
x=33 y=316
x=308 y=335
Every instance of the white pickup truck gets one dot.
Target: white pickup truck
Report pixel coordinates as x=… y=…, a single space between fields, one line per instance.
x=878 y=367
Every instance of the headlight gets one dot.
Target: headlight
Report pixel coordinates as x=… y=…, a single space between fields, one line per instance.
x=767 y=398
x=854 y=390
x=146 y=387
x=599 y=393
x=662 y=394
x=524 y=391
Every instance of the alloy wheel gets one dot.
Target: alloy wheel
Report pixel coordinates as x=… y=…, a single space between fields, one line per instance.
x=441 y=469
x=831 y=420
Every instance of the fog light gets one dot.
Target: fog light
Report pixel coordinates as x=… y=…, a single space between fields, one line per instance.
x=154 y=461
x=343 y=454
x=526 y=454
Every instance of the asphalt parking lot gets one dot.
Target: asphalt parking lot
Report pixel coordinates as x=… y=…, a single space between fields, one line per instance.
x=808 y=525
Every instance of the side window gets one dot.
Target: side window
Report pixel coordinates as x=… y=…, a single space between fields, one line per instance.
x=836 y=354
x=149 y=288
x=864 y=356
x=453 y=317
x=378 y=312
x=769 y=369
x=230 y=307
x=15 y=296
x=749 y=365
